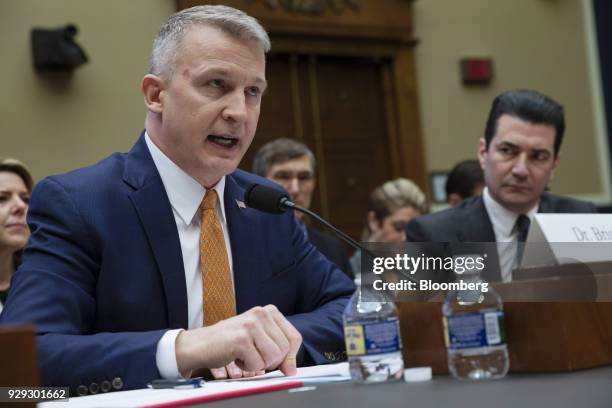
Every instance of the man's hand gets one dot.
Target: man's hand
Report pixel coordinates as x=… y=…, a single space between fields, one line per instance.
x=233 y=371
x=259 y=339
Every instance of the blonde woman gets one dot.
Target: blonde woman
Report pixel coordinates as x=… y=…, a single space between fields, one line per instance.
x=390 y=207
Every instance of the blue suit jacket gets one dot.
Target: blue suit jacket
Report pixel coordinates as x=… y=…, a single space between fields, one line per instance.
x=103 y=278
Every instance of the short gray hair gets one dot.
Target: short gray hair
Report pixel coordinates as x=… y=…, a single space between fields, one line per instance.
x=229 y=20
x=279 y=151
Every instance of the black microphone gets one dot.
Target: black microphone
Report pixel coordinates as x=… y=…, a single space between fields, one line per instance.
x=267 y=199
x=271 y=200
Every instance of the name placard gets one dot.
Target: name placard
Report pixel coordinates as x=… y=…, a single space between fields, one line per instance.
x=568 y=238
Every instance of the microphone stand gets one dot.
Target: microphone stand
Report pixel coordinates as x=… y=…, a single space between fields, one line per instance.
x=290 y=204
x=286 y=203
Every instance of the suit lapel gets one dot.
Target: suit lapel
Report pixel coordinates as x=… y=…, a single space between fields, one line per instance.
x=545 y=205
x=153 y=207
x=242 y=224
x=476 y=223
x=478 y=228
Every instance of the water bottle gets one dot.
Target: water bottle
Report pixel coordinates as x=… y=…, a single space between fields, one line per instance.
x=372 y=336
x=473 y=319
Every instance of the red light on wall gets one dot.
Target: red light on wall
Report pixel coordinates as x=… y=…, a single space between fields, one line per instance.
x=476 y=71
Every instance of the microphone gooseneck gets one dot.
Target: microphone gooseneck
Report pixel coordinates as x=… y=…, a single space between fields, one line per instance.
x=274 y=201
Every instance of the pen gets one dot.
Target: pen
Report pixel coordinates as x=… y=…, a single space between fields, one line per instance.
x=179 y=383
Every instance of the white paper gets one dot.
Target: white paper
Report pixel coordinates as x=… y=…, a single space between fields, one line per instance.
x=136 y=398
x=320 y=373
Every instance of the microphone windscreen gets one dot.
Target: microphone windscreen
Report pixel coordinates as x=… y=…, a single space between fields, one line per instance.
x=266 y=199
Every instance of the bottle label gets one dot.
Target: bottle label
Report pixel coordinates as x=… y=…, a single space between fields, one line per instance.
x=372 y=338
x=471 y=330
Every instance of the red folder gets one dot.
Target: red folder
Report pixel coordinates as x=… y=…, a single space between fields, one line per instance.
x=228 y=394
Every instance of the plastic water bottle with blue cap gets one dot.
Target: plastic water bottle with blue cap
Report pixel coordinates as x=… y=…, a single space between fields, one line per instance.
x=473 y=319
x=372 y=336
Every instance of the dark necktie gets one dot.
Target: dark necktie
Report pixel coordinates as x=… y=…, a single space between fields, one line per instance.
x=522 y=228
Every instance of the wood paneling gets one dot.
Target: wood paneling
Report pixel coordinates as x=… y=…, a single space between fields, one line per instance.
x=558 y=327
x=335 y=105
x=19 y=362
x=353 y=127
x=542 y=337
x=277 y=117
x=371 y=18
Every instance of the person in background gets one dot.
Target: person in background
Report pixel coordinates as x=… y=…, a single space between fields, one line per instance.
x=391 y=206
x=519 y=154
x=15 y=188
x=292 y=165
x=465 y=180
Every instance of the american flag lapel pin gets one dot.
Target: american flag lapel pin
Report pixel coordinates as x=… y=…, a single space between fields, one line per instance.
x=240 y=204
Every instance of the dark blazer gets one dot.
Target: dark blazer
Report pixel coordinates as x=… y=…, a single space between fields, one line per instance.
x=470 y=222
x=332 y=248
x=103 y=278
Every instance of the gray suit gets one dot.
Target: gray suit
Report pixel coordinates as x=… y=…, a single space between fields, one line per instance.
x=470 y=222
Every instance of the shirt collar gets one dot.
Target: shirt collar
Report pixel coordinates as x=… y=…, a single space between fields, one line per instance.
x=502 y=219
x=184 y=192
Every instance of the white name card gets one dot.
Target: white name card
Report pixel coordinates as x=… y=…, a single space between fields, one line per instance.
x=568 y=238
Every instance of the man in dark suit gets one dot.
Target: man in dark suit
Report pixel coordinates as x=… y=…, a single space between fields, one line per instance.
x=518 y=154
x=292 y=165
x=148 y=264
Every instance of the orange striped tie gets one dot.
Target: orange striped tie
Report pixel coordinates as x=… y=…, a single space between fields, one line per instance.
x=219 y=298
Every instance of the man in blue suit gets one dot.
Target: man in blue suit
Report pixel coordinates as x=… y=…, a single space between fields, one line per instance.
x=114 y=275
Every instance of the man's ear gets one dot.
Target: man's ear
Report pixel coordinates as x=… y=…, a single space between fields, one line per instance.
x=555 y=165
x=152 y=87
x=482 y=152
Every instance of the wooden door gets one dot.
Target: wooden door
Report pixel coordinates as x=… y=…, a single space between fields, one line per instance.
x=335 y=105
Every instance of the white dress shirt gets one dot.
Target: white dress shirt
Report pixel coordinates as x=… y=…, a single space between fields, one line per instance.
x=503 y=222
x=185 y=195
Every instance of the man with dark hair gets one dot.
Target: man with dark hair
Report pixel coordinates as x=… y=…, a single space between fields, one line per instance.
x=292 y=165
x=465 y=180
x=518 y=154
